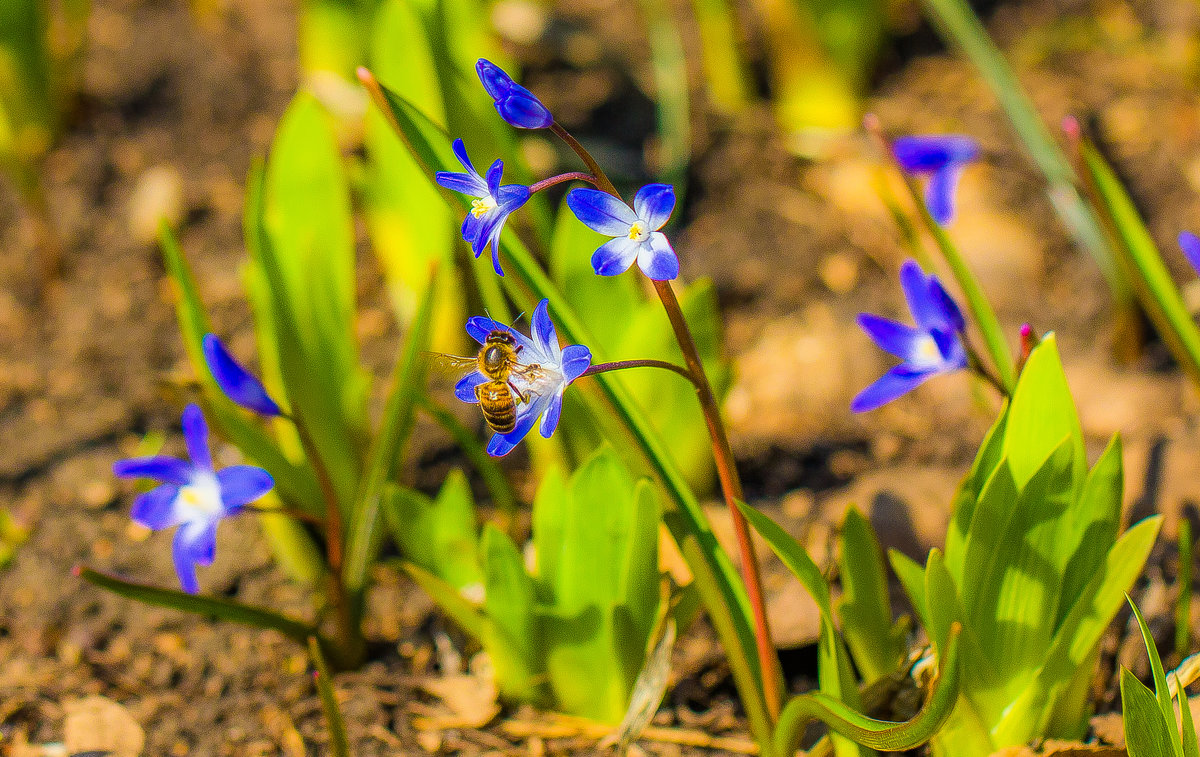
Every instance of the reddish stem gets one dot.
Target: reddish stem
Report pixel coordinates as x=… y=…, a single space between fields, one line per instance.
x=551 y=181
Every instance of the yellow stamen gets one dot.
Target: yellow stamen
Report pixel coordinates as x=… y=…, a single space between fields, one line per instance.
x=482 y=205
x=635 y=231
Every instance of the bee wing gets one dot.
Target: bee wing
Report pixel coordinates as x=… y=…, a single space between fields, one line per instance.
x=452 y=362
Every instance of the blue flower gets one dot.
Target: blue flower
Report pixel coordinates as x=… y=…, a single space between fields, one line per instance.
x=635 y=230
x=942 y=158
x=237 y=383
x=514 y=103
x=193 y=496
x=490 y=210
x=934 y=346
x=1190 y=244
x=547 y=370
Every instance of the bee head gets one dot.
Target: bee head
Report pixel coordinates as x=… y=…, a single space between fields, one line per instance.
x=498 y=348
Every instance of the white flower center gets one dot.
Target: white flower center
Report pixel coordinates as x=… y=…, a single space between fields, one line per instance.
x=482 y=206
x=545 y=379
x=200 y=499
x=927 y=352
x=637 y=233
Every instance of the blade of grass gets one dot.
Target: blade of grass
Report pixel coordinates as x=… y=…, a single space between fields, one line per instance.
x=1183 y=602
x=1152 y=281
x=338 y=745
x=958 y=25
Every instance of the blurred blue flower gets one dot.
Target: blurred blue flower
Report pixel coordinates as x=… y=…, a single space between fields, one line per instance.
x=491 y=209
x=941 y=157
x=1190 y=244
x=934 y=346
x=514 y=103
x=193 y=496
x=546 y=370
x=635 y=230
x=238 y=384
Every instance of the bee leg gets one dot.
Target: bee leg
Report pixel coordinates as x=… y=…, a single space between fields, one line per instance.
x=516 y=391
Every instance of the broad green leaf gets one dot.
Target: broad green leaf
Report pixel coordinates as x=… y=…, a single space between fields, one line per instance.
x=715 y=576
x=438 y=535
x=213 y=607
x=509 y=605
x=986 y=461
x=1041 y=414
x=1078 y=636
x=299 y=235
x=469 y=442
x=469 y=616
x=410 y=226
x=865 y=609
x=1090 y=530
x=912 y=578
x=1191 y=748
x=983 y=560
x=550 y=506
x=640 y=580
x=1151 y=279
x=334 y=723
x=1147 y=734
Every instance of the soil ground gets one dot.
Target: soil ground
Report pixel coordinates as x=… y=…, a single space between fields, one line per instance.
x=796 y=248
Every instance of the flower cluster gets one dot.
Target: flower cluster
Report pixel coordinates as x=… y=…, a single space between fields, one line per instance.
x=934 y=346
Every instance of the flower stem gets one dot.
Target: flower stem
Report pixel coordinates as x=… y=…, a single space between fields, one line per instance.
x=351 y=644
x=559 y=179
x=619 y=365
x=602 y=181
x=731 y=485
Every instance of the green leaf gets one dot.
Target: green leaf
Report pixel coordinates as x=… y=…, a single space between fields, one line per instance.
x=300 y=237
x=338 y=744
x=877 y=645
x=438 y=535
x=407 y=385
x=411 y=228
x=509 y=606
x=1041 y=414
x=990 y=454
x=1146 y=732
x=875 y=734
x=1091 y=529
x=466 y=614
x=912 y=578
x=213 y=607
x=1161 y=692
x=1152 y=281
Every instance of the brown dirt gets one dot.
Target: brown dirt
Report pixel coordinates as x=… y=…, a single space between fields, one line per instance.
x=796 y=249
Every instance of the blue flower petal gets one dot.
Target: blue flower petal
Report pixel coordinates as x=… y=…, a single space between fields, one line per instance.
x=897 y=338
x=925 y=311
x=194 y=543
x=494 y=173
x=654 y=204
x=926 y=153
x=159 y=467
x=939 y=192
x=496 y=253
x=495 y=81
x=241 y=485
x=501 y=444
x=615 y=256
x=550 y=416
x=479 y=327
x=512 y=196
x=461 y=182
x=523 y=110
x=601 y=212
x=1190 y=244
x=899 y=380
x=544 y=336
x=460 y=152
x=237 y=383
x=952 y=316
x=195 y=435
x=657 y=258
x=465 y=388
x=950 y=346
x=155 y=509
x=575 y=360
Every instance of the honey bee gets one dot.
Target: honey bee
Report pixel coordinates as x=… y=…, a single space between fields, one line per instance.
x=498 y=360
